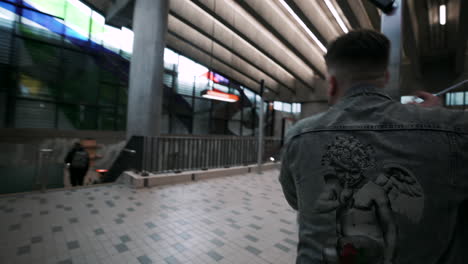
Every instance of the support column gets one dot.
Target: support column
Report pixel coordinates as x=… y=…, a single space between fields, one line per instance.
x=260 y=130
x=391 y=26
x=147 y=67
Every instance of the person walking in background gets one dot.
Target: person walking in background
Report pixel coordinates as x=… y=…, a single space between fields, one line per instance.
x=77 y=162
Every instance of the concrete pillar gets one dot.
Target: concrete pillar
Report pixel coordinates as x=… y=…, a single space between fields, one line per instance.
x=391 y=26
x=147 y=67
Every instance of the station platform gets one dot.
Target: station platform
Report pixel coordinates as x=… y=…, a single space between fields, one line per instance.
x=237 y=219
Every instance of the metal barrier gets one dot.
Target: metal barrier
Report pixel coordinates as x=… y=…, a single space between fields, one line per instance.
x=180 y=153
x=44 y=157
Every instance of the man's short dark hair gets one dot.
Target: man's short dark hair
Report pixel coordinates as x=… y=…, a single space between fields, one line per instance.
x=359 y=55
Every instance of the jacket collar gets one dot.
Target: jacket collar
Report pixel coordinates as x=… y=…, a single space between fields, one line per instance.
x=366 y=89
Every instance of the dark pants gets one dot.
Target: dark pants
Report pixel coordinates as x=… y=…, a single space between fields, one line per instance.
x=77 y=176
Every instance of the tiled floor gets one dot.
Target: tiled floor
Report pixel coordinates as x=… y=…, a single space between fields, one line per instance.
x=241 y=219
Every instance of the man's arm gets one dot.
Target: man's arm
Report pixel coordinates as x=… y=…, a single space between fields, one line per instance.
x=68 y=158
x=430 y=100
x=387 y=222
x=287 y=181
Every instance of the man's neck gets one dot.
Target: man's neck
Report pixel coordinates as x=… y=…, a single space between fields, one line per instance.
x=374 y=84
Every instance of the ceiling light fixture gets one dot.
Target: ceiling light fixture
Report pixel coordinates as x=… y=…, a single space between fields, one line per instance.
x=442 y=14
x=303 y=25
x=338 y=19
x=217 y=95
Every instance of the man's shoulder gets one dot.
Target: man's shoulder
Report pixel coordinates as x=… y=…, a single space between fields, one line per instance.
x=303 y=125
x=437 y=117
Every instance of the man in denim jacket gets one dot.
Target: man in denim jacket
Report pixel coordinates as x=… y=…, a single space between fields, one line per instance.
x=375 y=181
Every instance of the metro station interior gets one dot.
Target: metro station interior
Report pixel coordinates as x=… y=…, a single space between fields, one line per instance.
x=182 y=107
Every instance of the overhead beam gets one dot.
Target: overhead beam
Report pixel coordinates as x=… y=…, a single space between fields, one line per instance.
x=317 y=19
x=280 y=37
x=247 y=39
x=215 y=55
x=461 y=35
x=355 y=13
x=373 y=14
x=233 y=51
x=306 y=21
x=411 y=37
x=120 y=13
x=183 y=46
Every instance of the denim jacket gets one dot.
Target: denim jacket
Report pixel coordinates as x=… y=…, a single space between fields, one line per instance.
x=375 y=181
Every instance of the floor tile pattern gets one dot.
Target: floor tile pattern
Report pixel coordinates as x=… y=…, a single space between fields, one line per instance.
x=240 y=219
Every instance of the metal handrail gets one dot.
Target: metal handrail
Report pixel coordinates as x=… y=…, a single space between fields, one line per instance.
x=169 y=154
x=451 y=88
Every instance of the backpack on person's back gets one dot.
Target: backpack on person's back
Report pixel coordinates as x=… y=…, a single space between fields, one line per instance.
x=80 y=159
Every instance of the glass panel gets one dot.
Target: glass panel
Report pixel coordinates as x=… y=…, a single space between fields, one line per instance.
x=221 y=88
x=164 y=124
x=233 y=111
x=80 y=78
x=184 y=86
x=97 y=28
x=7 y=15
x=32 y=87
x=87 y=117
x=53 y=7
x=201 y=84
x=123 y=95
x=249 y=94
x=72 y=116
x=219 y=109
x=187 y=71
x=201 y=117
x=218 y=126
x=181 y=124
x=182 y=105
x=3 y=103
x=249 y=121
x=278 y=106
x=68 y=117
x=298 y=108
x=234 y=127
x=42 y=26
x=39 y=68
x=171 y=59
x=34 y=114
x=112 y=38
x=108 y=94
x=287 y=107
x=167 y=79
x=107 y=118
x=121 y=118
x=458 y=98
x=77 y=20
x=127 y=40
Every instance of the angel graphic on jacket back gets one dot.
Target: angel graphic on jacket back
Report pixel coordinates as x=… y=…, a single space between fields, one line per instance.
x=366 y=230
